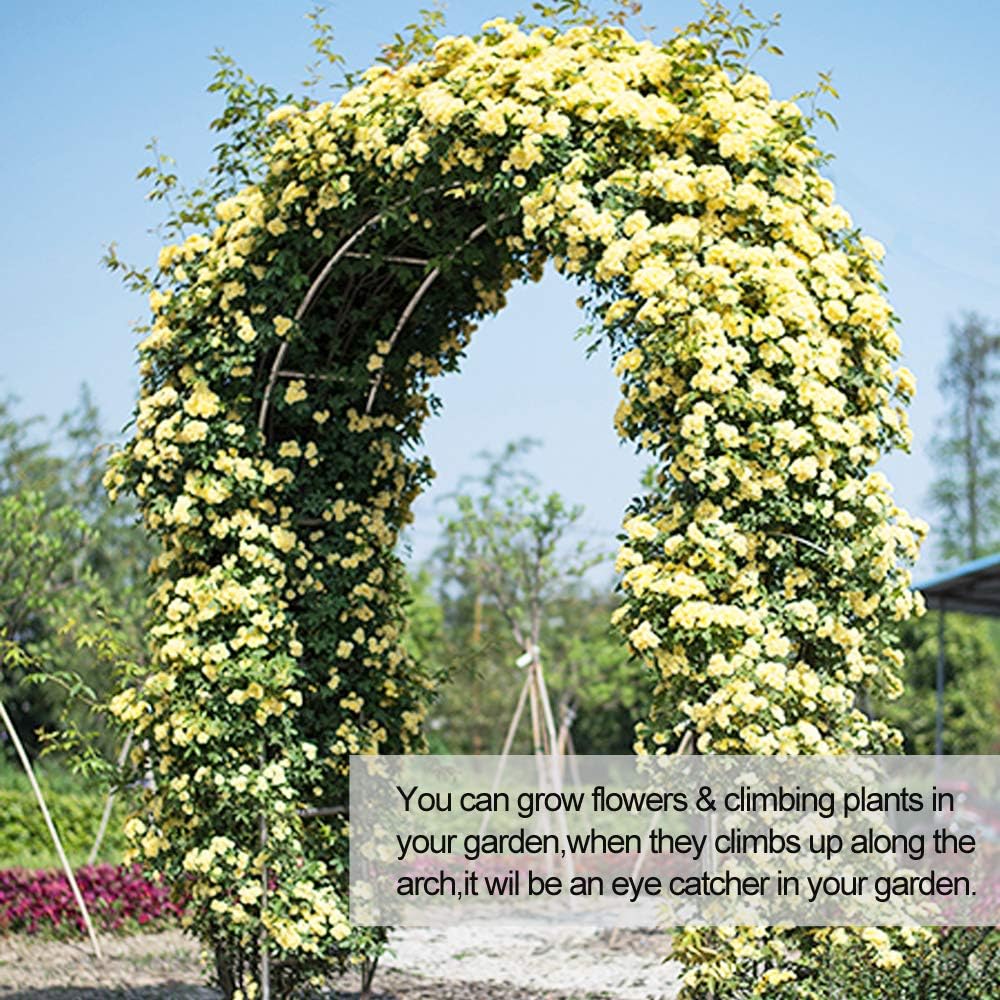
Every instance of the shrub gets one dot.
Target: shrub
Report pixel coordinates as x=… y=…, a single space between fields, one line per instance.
x=962 y=963
x=24 y=837
x=120 y=898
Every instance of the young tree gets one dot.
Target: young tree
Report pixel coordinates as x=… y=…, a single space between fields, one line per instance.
x=512 y=581
x=967 y=445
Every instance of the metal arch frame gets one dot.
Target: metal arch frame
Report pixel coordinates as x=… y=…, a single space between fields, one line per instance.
x=319 y=283
x=344 y=250
x=411 y=306
x=276 y=371
x=314 y=289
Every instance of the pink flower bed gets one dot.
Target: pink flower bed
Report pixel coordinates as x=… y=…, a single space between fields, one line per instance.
x=119 y=898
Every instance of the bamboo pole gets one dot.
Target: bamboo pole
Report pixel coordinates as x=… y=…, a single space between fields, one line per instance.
x=574 y=767
x=29 y=770
x=543 y=696
x=555 y=761
x=539 y=735
x=565 y=721
x=507 y=743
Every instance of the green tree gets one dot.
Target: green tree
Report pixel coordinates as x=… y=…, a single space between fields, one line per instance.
x=966 y=448
x=510 y=579
x=39 y=577
x=971 y=692
x=68 y=556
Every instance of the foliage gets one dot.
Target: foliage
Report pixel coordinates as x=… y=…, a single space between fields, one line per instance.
x=966 y=448
x=416 y=40
x=37 y=575
x=962 y=963
x=25 y=840
x=66 y=552
x=76 y=812
x=120 y=899
x=957 y=963
x=971 y=692
x=762 y=573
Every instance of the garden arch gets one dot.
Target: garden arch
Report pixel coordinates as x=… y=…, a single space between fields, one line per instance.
x=287 y=367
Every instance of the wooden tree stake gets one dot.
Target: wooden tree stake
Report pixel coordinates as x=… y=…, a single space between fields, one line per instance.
x=29 y=770
x=102 y=829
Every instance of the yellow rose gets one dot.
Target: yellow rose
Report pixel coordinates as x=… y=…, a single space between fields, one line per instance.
x=202 y=402
x=295 y=391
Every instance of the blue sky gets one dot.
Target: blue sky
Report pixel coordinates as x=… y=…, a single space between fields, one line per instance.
x=88 y=85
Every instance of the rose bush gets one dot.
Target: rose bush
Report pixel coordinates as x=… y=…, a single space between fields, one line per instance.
x=286 y=373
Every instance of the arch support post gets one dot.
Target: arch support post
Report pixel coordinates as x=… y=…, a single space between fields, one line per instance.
x=939 y=687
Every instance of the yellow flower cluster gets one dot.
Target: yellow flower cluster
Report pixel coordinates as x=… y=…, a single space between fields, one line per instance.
x=762 y=574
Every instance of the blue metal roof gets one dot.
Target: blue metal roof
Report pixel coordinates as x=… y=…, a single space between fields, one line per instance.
x=973 y=588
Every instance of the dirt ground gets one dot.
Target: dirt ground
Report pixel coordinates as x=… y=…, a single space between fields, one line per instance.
x=160 y=966
x=165 y=966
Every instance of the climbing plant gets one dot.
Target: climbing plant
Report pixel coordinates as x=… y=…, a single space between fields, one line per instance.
x=286 y=371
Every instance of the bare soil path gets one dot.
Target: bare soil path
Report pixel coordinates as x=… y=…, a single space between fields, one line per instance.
x=454 y=964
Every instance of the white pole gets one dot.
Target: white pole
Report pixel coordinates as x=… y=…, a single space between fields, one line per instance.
x=77 y=895
x=505 y=752
x=108 y=803
x=555 y=760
